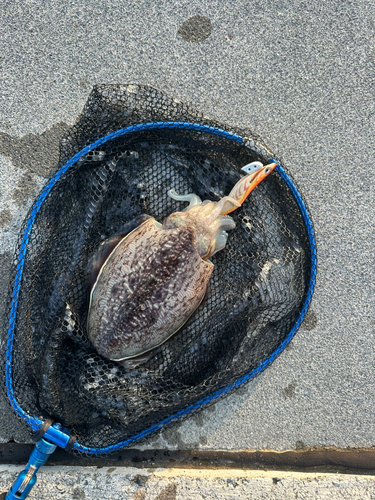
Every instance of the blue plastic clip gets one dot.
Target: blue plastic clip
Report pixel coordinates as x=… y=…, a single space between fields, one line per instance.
x=39 y=456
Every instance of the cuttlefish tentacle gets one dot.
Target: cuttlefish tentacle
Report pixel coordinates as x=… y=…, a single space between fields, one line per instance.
x=209 y=217
x=192 y=198
x=218 y=210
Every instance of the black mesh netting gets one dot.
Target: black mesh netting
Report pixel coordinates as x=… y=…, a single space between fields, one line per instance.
x=255 y=293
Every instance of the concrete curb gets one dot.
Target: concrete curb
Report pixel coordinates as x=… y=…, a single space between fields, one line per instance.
x=117 y=483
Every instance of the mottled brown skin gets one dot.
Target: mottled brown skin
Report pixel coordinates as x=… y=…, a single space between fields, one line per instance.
x=146 y=290
x=148 y=283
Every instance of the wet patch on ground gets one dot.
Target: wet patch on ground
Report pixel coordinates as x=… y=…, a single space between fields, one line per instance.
x=203 y=440
x=5 y=217
x=198 y=419
x=140 y=480
x=19 y=187
x=38 y=153
x=139 y=495
x=195 y=29
x=290 y=390
x=300 y=445
x=168 y=493
x=174 y=438
x=26 y=187
x=84 y=84
x=310 y=321
x=5 y=267
x=78 y=494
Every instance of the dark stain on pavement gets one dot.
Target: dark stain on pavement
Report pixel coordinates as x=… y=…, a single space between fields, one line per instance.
x=202 y=440
x=310 y=321
x=169 y=493
x=84 y=84
x=140 y=480
x=5 y=270
x=78 y=494
x=300 y=445
x=174 y=437
x=25 y=188
x=290 y=390
x=198 y=419
x=139 y=495
x=38 y=153
x=5 y=217
x=195 y=29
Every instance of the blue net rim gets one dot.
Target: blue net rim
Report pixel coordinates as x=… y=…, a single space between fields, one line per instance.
x=36 y=423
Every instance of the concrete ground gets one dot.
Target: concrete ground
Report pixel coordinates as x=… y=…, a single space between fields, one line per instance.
x=116 y=483
x=301 y=75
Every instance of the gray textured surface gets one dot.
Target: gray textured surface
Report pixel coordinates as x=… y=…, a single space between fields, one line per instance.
x=299 y=74
x=118 y=483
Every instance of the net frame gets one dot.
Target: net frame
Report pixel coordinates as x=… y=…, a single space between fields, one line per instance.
x=34 y=422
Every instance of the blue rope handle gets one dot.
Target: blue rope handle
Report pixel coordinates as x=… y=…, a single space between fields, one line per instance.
x=33 y=421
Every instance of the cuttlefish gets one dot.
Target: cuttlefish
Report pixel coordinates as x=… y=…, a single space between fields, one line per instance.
x=148 y=280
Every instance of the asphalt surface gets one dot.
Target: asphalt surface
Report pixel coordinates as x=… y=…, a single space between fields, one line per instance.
x=299 y=74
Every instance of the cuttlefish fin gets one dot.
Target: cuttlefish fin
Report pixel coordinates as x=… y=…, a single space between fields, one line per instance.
x=105 y=249
x=244 y=187
x=132 y=363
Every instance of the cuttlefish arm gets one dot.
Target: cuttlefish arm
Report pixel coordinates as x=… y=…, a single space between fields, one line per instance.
x=192 y=198
x=209 y=218
x=244 y=187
